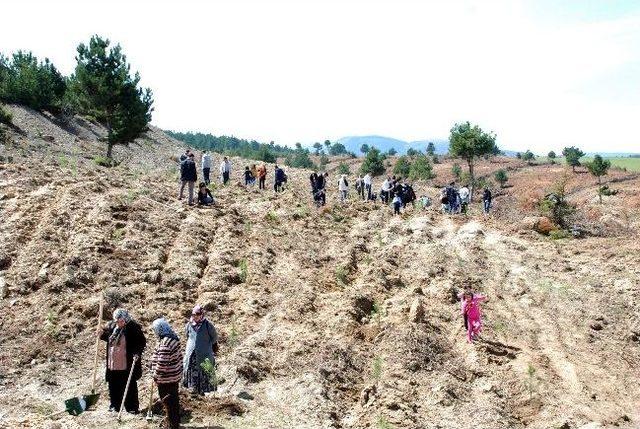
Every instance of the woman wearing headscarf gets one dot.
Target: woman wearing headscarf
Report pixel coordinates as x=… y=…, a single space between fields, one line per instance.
x=202 y=344
x=125 y=340
x=166 y=369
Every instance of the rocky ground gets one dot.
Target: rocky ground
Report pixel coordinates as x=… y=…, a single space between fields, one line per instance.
x=343 y=317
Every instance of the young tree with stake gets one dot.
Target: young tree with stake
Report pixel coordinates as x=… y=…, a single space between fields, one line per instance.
x=599 y=167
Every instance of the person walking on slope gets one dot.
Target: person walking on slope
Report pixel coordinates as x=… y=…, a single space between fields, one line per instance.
x=343 y=187
x=397 y=203
x=385 y=189
x=225 y=170
x=279 y=178
x=166 y=370
x=254 y=174
x=202 y=344
x=188 y=177
x=125 y=341
x=470 y=307
x=262 y=176
x=360 y=186
x=205 y=164
x=320 y=196
x=486 y=200
x=464 y=199
x=248 y=177
x=367 y=185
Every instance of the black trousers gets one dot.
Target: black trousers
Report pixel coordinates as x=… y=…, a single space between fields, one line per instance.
x=261 y=183
x=225 y=177
x=171 y=404
x=117 y=383
x=205 y=173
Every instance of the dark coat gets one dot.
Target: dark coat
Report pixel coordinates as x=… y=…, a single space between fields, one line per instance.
x=136 y=343
x=188 y=171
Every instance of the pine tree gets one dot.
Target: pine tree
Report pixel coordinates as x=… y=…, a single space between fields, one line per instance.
x=599 y=167
x=103 y=88
x=373 y=163
x=469 y=142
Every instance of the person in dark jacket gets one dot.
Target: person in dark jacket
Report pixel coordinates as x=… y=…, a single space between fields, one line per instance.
x=125 y=340
x=279 y=179
x=205 y=198
x=486 y=200
x=188 y=176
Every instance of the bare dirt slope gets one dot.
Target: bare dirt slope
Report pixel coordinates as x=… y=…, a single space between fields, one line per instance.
x=343 y=317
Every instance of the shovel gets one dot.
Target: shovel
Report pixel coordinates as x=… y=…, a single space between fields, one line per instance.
x=149 y=411
x=126 y=389
x=79 y=404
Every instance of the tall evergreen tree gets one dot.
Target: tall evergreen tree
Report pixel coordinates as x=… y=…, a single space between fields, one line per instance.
x=469 y=142
x=572 y=155
x=103 y=88
x=373 y=163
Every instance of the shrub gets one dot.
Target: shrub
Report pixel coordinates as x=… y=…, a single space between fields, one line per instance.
x=324 y=160
x=341 y=275
x=555 y=206
x=456 y=170
x=559 y=234
x=343 y=168
x=421 y=168
x=5 y=115
x=103 y=161
x=244 y=270
x=299 y=159
x=373 y=163
x=376 y=368
x=402 y=167
x=501 y=177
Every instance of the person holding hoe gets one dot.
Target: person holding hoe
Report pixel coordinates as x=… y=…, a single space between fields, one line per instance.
x=125 y=344
x=166 y=368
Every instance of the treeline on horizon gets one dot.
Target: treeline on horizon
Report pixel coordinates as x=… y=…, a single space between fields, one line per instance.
x=298 y=156
x=101 y=88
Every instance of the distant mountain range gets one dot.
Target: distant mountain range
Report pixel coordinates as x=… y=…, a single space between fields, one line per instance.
x=354 y=143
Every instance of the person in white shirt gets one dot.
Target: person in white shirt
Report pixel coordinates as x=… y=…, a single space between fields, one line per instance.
x=367 y=185
x=464 y=198
x=384 y=190
x=206 y=166
x=225 y=170
x=343 y=187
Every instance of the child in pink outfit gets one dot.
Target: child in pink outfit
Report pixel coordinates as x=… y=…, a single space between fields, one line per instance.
x=470 y=306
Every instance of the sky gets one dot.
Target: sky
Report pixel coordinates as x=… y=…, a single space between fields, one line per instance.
x=541 y=74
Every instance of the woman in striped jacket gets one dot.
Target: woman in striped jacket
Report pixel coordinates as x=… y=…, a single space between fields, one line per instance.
x=166 y=368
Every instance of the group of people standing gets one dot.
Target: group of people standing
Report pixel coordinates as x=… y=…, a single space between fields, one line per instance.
x=456 y=200
x=189 y=177
x=125 y=344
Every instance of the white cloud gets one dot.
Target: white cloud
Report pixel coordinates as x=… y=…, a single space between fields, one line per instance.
x=309 y=70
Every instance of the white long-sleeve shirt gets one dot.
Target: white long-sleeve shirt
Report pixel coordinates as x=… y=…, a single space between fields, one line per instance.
x=225 y=167
x=464 y=194
x=367 y=179
x=386 y=186
x=342 y=184
x=206 y=160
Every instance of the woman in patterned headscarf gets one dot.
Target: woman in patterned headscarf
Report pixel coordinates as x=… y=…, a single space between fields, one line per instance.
x=202 y=345
x=166 y=368
x=125 y=340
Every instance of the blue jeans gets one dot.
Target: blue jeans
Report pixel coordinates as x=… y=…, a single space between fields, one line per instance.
x=487 y=205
